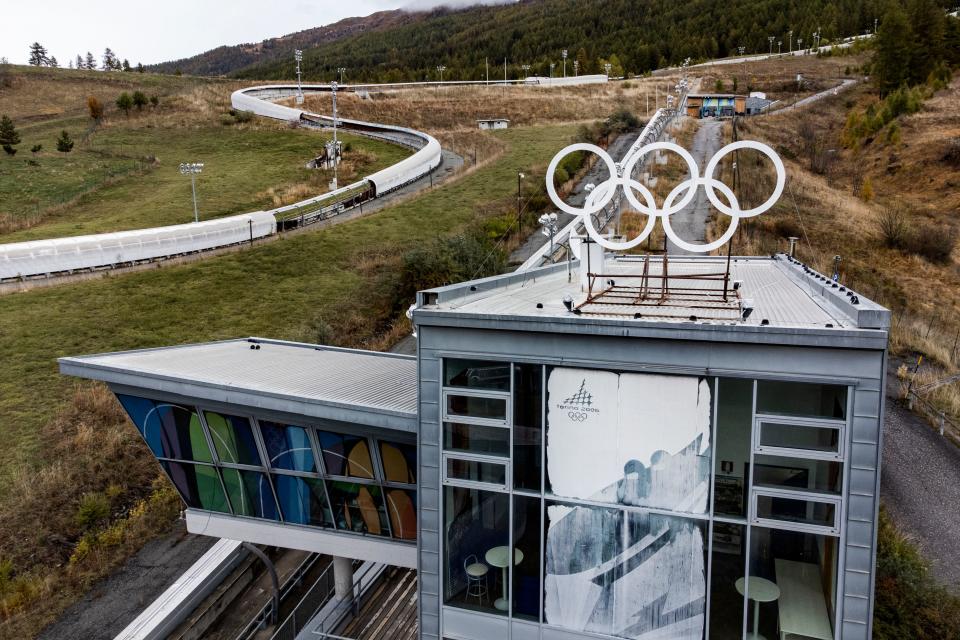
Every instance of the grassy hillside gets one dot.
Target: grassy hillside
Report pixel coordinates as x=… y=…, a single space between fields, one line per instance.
x=123 y=172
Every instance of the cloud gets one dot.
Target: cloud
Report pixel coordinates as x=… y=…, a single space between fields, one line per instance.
x=426 y=5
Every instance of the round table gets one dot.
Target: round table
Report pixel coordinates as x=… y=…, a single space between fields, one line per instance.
x=761 y=590
x=497 y=557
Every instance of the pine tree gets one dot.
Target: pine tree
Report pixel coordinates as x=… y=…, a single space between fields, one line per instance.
x=927 y=20
x=9 y=137
x=38 y=55
x=90 y=64
x=109 y=60
x=64 y=143
x=140 y=68
x=53 y=62
x=139 y=100
x=79 y=62
x=891 y=62
x=126 y=65
x=125 y=103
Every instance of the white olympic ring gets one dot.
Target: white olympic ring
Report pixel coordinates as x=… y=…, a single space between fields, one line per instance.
x=604 y=193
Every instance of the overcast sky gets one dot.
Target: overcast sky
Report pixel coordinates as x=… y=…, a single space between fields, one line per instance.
x=170 y=29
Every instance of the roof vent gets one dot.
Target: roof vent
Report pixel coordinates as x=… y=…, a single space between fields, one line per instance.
x=568 y=302
x=693 y=318
x=854 y=300
x=539 y=305
x=764 y=322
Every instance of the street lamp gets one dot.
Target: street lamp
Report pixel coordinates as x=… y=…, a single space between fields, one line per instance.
x=441 y=69
x=741 y=50
x=791 y=40
x=550 y=227
x=608 y=67
x=552 y=67
x=779 y=45
x=564 y=54
x=192 y=169
x=771 y=39
x=576 y=68
x=298 y=56
x=336 y=145
x=341 y=71
x=800 y=45
x=520 y=177
x=526 y=70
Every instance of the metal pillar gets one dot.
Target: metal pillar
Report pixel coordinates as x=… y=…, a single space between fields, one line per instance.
x=343 y=578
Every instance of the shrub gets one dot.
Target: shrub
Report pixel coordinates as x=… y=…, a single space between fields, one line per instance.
x=94 y=508
x=124 y=102
x=154 y=100
x=37 y=148
x=893 y=227
x=139 y=100
x=64 y=143
x=718 y=86
x=933 y=242
x=952 y=153
x=95 y=108
x=866 y=190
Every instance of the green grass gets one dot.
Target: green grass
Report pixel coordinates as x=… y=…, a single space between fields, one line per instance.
x=269 y=290
x=111 y=183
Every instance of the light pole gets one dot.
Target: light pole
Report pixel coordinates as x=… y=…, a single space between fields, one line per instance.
x=550 y=227
x=779 y=45
x=298 y=56
x=800 y=45
x=526 y=70
x=552 y=67
x=740 y=50
x=441 y=69
x=520 y=177
x=576 y=68
x=192 y=169
x=607 y=67
x=791 y=40
x=341 y=71
x=875 y=21
x=771 y=39
x=564 y=54
x=336 y=145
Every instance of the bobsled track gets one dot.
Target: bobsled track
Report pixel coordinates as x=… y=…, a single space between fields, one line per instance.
x=44 y=259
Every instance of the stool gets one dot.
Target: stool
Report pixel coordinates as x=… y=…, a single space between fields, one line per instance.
x=476 y=578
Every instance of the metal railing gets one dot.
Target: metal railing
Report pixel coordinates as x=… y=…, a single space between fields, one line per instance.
x=326 y=628
x=265 y=613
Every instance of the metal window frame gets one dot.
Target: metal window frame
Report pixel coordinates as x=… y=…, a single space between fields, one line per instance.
x=476 y=484
x=506 y=428
x=789 y=525
x=507 y=397
x=788 y=452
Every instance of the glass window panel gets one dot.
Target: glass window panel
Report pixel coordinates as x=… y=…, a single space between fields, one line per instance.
x=399 y=462
x=475 y=471
x=796 y=473
x=358 y=507
x=527 y=426
x=582 y=550
x=475 y=407
x=171 y=431
x=732 y=459
x=526 y=573
x=250 y=494
x=473 y=438
x=803 y=569
x=302 y=500
x=288 y=447
x=726 y=603
x=665 y=560
x=233 y=438
x=476 y=374
x=796 y=510
x=802 y=399
x=792 y=436
x=198 y=485
x=346 y=455
x=402 y=509
x=476 y=528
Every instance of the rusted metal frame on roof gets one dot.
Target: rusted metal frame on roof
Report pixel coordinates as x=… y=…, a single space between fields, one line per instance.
x=657 y=316
x=658 y=304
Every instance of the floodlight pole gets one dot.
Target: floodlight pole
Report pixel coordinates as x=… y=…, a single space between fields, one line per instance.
x=576 y=68
x=791 y=41
x=771 y=39
x=336 y=146
x=564 y=54
x=779 y=45
x=341 y=71
x=520 y=177
x=298 y=56
x=192 y=169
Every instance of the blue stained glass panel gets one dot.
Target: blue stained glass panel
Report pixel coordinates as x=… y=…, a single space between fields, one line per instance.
x=288 y=447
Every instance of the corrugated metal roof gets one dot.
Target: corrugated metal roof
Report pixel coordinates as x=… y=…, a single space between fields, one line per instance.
x=378 y=382
x=780 y=295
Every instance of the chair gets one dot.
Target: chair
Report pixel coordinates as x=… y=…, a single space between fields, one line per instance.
x=476 y=578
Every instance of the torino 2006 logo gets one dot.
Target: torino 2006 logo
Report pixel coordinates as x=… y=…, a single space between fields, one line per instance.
x=682 y=195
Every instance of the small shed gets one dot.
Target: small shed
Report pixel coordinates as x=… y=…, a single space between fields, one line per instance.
x=494 y=123
x=715 y=104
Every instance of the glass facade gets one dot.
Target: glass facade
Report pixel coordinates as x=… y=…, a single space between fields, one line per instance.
x=296 y=474
x=638 y=505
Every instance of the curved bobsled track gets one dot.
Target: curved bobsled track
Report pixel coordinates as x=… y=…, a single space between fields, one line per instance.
x=39 y=259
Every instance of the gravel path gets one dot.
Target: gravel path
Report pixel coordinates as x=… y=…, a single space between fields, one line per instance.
x=920 y=486
x=690 y=223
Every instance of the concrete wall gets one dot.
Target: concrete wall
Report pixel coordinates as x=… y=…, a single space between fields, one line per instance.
x=862 y=369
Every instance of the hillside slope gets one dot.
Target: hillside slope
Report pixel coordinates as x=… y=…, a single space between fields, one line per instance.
x=232 y=58
x=634 y=35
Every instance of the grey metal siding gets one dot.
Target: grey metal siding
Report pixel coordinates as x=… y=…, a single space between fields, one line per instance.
x=429 y=480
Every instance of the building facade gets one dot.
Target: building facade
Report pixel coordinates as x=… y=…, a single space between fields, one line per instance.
x=641 y=451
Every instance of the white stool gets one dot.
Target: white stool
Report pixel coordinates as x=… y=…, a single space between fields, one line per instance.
x=476 y=578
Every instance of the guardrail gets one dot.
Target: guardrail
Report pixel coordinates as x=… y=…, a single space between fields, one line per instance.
x=265 y=613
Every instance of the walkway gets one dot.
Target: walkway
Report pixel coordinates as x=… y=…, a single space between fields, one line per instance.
x=690 y=223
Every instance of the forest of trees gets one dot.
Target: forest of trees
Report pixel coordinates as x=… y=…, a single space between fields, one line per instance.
x=642 y=34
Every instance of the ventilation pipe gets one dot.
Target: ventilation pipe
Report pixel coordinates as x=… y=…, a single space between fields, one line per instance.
x=793 y=246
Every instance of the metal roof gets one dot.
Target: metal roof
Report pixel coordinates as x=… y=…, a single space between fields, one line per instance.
x=376 y=389
x=787 y=298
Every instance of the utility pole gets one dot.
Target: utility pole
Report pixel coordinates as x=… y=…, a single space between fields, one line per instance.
x=771 y=39
x=800 y=45
x=520 y=177
x=298 y=56
x=779 y=45
x=526 y=70
x=791 y=41
x=336 y=145
x=564 y=54
x=192 y=169
x=341 y=71
x=576 y=68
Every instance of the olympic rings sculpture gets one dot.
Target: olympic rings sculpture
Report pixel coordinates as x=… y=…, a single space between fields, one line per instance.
x=681 y=196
